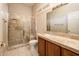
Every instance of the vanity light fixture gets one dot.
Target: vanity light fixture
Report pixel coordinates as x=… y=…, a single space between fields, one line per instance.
x=62 y=4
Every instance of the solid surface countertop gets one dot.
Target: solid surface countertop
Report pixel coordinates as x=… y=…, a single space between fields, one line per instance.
x=68 y=41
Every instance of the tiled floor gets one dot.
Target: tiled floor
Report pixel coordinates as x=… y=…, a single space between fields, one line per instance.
x=21 y=51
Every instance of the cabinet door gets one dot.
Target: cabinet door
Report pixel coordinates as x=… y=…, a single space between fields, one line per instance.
x=41 y=47
x=65 y=52
x=52 y=49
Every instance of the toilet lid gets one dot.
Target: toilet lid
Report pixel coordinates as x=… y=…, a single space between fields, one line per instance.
x=33 y=41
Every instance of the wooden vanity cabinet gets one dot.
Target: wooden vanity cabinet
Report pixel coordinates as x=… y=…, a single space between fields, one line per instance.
x=52 y=49
x=65 y=52
x=46 y=48
x=41 y=47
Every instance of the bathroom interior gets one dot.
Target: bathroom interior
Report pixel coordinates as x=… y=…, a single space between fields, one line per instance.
x=39 y=29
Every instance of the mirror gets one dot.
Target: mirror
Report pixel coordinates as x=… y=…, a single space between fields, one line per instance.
x=73 y=22
x=57 y=23
x=63 y=21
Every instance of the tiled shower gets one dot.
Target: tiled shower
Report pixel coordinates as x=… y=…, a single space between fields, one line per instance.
x=19 y=24
x=15 y=32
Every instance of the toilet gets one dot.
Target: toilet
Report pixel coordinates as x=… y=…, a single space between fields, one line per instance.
x=32 y=42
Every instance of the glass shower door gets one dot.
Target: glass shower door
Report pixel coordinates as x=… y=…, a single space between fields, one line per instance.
x=15 y=33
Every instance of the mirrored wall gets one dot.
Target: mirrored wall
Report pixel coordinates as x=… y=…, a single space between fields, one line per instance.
x=64 y=19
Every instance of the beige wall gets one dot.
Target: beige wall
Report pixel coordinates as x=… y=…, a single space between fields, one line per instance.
x=6 y=23
x=4 y=15
x=40 y=20
x=41 y=23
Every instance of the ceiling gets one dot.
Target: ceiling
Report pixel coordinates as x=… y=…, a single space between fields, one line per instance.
x=29 y=4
